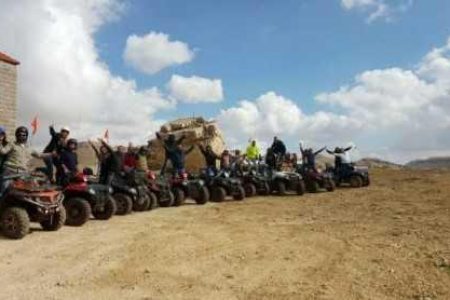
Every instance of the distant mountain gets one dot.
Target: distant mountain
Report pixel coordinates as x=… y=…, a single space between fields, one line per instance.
x=377 y=163
x=430 y=163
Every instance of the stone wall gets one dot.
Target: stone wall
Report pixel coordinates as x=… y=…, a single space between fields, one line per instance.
x=8 y=96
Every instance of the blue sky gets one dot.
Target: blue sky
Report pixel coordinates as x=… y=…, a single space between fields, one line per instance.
x=296 y=48
x=375 y=73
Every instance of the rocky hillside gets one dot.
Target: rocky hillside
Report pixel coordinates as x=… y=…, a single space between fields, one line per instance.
x=430 y=163
x=377 y=163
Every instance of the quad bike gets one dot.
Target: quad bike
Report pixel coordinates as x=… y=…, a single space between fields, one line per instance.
x=282 y=182
x=355 y=176
x=26 y=199
x=316 y=180
x=184 y=187
x=131 y=192
x=221 y=185
x=83 y=199
x=160 y=190
x=253 y=181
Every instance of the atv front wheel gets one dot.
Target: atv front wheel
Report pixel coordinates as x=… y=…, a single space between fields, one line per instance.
x=78 y=211
x=168 y=200
x=356 y=181
x=203 y=196
x=180 y=197
x=281 y=188
x=55 y=221
x=109 y=210
x=15 y=222
x=218 y=194
x=301 y=188
x=153 y=200
x=250 y=190
x=124 y=204
x=141 y=203
x=240 y=195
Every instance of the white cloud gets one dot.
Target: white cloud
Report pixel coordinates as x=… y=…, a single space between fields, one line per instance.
x=272 y=114
x=195 y=89
x=400 y=114
x=377 y=9
x=61 y=76
x=153 y=52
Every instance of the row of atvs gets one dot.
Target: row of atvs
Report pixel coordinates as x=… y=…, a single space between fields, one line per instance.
x=29 y=198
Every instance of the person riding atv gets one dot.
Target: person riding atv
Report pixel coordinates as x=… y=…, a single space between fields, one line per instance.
x=314 y=179
x=345 y=171
x=24 y=197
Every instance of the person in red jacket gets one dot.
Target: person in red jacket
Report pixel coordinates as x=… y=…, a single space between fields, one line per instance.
x=130 y=159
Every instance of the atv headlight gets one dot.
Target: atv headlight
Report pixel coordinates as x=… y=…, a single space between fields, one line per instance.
x=133 y=191
x=110 y=190
x=91 y=191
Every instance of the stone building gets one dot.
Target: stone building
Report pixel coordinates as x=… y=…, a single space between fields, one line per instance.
x=8 y=92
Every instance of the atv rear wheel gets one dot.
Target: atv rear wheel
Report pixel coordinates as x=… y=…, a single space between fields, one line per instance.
x=250 y=190
x=281 y=188
x=301 y=188
x=203 y=195
x=240 y=195
x=142 y=203
x=124 y=204
x=218 y=194
x=78 y=211
x=330 y=185
x=153 y=200
x=180 y=197
x=265 y=189
x=15 y=222
x=168 y=201
x=108 y=210
x=313 y=187
x=55 y=221
x=356 y=181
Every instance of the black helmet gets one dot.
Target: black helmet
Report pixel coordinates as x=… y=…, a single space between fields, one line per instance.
x=20 y=131
x=72 y=141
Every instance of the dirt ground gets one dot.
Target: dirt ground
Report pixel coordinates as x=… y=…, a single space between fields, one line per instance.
x=389 y=241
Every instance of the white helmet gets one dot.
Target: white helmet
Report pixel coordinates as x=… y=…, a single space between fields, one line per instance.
x=65 y=128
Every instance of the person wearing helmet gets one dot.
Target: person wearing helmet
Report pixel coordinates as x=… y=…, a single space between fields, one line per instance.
x=68 y=163
x=55 y=146
x=18 y=155
x=173 y=151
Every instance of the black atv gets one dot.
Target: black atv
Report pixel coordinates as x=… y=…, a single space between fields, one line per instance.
x=134 y=186
x=315 y=180
x=282 y=182
x=83 y=199
x=185 y=186
x=26 y=199
x=159 y=188
x=253 y=181
x=221 y=185
x=354 y=176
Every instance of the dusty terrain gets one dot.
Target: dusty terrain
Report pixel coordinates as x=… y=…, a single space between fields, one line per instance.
x=389 y=241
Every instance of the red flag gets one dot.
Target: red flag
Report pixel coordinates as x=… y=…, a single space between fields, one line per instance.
x=34 y=125
x=106 y=136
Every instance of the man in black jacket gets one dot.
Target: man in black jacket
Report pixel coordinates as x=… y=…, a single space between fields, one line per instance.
x=278 y=149
x=55 y=146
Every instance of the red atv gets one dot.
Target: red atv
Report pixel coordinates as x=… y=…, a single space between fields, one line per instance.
x=183 y=187
x=83 y=199
x=26 y=199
